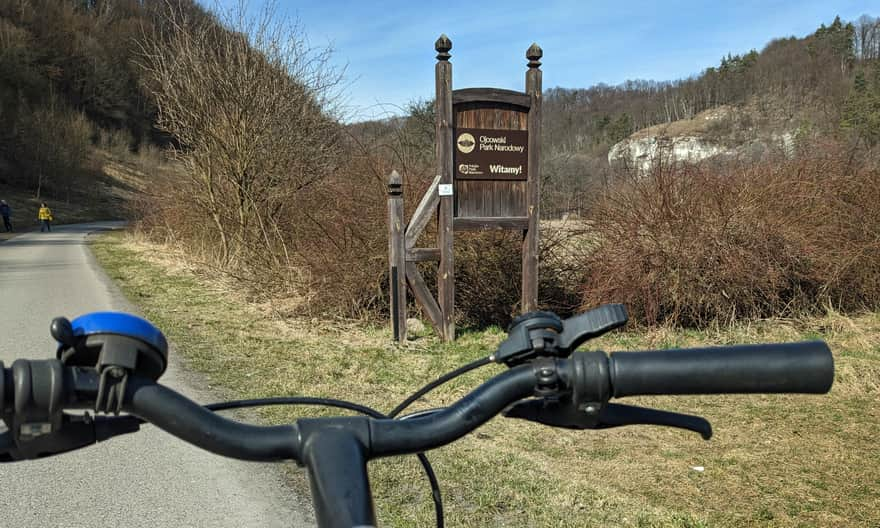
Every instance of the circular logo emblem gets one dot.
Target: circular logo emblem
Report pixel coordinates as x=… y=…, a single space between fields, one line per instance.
x=466 y=143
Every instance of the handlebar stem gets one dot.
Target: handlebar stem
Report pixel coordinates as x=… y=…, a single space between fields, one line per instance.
x=336 y=458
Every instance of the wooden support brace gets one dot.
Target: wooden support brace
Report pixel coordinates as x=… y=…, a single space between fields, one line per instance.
x=423 y=296
x=426 y=210
x=422 y=254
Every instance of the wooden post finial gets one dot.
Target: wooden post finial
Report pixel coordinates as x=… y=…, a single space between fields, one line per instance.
x=534 y=54
x=395 y=183
x=443 y=45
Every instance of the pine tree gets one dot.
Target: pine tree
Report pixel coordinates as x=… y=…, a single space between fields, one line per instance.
x=861 y=110
x=620 y=128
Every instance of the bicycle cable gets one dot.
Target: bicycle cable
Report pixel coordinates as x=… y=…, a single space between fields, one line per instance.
x=422 y=413
x=439 y=381
x=341 y=404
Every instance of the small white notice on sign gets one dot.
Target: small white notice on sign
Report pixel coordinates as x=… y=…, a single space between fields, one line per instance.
x=444 y=189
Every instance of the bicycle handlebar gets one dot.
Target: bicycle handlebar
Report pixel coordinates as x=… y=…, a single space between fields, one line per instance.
x=585 y=377
x=805 y=367
x=179 y=416
x=563 y=392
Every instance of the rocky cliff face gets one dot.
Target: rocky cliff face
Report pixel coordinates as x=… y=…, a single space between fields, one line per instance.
x=719 y=132
x=640 y=153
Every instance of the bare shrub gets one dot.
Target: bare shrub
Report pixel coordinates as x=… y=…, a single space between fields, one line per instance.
x=343 y=242
x=249 y=104
x=116 y=141
x=694 y=244
x=487 y=277
x=488 y=280
x=53 y=146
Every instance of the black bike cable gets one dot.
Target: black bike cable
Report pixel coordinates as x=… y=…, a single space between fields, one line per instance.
x=439 y=381
x=295 y=400
x=422 y=413
x=341 y=404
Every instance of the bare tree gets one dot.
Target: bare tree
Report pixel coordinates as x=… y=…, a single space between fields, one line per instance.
x=867 y=38
x=251 y=107
x=53 y=143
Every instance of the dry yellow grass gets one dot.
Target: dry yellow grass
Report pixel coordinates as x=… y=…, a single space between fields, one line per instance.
x=774 y=460
x=696 y=126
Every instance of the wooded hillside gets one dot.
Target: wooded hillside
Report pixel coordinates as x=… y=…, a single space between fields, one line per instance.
x=819 y=85
x=272 y=190
x=69 y=81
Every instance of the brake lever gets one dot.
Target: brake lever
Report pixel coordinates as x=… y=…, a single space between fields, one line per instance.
x=591 y=324
x=566 y=415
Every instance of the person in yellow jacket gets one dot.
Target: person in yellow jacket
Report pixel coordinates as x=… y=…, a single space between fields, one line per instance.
x=45 y=216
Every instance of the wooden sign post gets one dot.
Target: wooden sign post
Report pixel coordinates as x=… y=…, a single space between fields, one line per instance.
x=396 y=257
x=488 y=177
x=443 y=126
x=530 y=237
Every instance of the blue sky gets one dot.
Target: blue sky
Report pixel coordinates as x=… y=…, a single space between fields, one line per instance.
x=387 y=47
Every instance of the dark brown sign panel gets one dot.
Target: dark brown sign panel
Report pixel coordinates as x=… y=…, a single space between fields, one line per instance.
x=483 y=154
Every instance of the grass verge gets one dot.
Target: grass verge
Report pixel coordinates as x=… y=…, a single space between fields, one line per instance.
x=774 y=460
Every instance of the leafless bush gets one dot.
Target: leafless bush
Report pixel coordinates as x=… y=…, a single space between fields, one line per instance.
x=488 y=282
x=116 y=141
x=249 y=104
x=695 y=244
x=53 y=145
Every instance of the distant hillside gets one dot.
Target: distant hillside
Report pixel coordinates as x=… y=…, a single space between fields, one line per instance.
x=796 y=74
x=70 y=84
x=822 y=84
x=744 y=132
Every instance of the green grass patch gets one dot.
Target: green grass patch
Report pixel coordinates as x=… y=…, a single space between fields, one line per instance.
x=787 y=460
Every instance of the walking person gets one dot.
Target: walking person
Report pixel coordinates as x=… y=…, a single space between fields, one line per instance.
x=45 y=216
x=6 y=212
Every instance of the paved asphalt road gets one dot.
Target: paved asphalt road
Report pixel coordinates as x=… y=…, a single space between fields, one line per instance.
x=145 y=479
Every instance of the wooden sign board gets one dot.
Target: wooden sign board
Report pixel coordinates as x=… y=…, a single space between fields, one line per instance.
x=488 y=177
x=490 y=157
x=487 y=154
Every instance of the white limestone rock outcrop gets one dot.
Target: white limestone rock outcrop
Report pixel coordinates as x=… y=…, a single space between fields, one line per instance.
x=719 y=132
x=640 y=153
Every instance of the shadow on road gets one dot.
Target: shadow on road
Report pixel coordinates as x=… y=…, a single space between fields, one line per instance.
x=43 y=242
x=11 y=272
x=32 y=237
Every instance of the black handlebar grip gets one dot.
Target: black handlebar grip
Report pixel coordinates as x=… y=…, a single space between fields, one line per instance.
x=805 y=367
